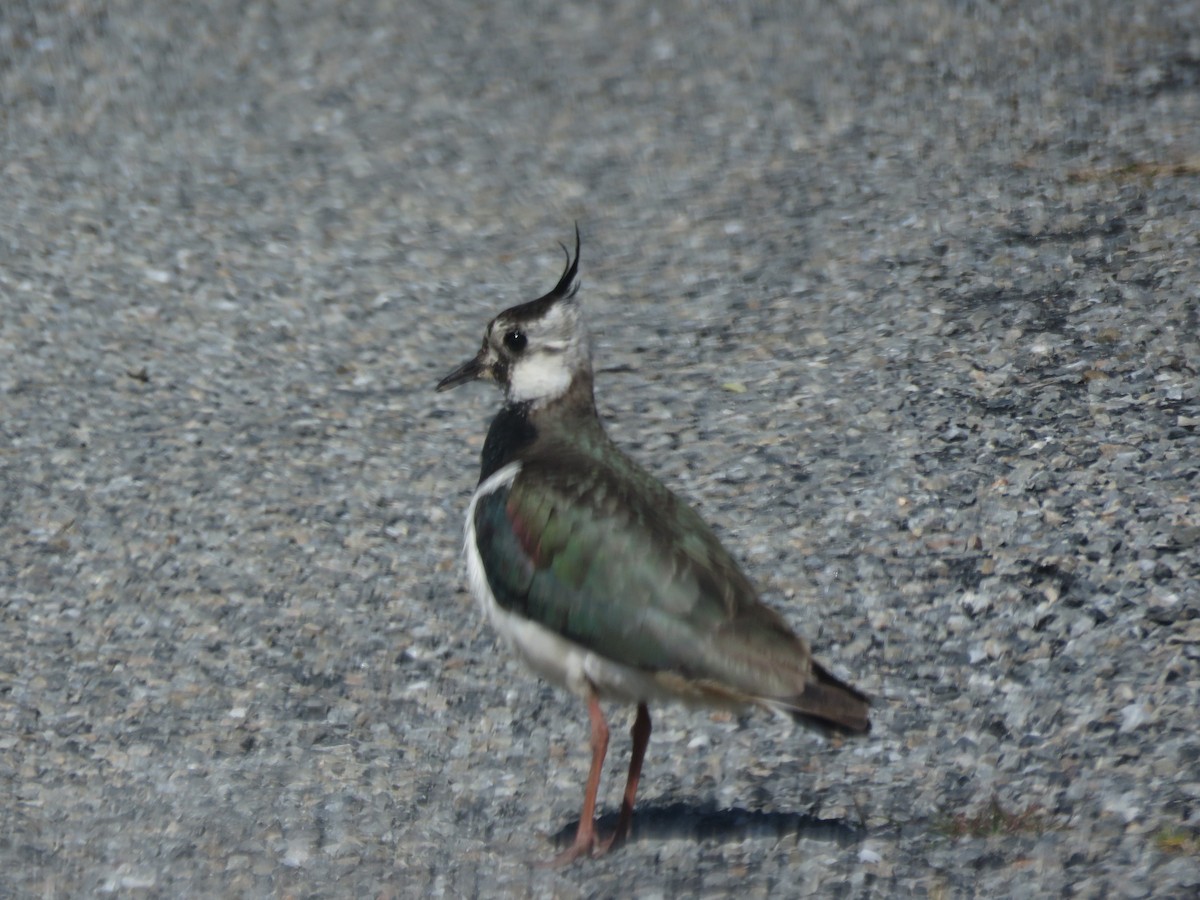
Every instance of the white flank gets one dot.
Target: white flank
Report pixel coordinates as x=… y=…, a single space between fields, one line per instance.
x=549 y=654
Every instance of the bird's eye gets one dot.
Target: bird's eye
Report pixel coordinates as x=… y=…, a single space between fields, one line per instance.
x=515 y=340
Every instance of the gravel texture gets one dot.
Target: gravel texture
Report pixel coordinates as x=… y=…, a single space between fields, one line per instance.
x=904 y=296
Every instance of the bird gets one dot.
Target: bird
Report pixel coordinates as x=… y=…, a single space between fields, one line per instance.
x=599 y=577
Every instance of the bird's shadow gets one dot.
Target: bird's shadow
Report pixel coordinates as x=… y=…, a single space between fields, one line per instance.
x=690 y=821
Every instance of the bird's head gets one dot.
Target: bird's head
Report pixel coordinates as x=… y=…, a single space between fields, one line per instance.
x=533 y=351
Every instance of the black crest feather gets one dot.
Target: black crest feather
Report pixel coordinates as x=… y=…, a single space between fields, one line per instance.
x=567 y=287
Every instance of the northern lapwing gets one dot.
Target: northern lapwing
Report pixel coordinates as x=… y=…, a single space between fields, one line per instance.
x=600 y=578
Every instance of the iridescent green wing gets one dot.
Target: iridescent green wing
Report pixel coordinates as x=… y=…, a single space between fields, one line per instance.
x=615 y=563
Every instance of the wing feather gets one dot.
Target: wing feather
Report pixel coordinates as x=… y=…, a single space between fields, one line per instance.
x=633 y=575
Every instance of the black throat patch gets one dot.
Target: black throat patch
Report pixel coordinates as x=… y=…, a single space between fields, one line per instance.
x=510 y=431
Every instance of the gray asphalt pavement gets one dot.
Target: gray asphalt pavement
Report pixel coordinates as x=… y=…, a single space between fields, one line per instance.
x=904 y=297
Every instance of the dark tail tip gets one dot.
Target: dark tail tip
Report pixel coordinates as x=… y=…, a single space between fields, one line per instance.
x=832 y=705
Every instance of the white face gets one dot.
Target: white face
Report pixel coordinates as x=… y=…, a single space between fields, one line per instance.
x=539 y=357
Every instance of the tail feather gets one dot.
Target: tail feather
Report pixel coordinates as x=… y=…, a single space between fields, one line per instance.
x=830 y=704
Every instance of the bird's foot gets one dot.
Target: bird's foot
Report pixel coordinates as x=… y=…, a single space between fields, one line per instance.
x=614 y=840
x=586 y=843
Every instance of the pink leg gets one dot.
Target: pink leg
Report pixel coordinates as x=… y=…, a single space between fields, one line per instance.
x=641 y=737
x=585 y=836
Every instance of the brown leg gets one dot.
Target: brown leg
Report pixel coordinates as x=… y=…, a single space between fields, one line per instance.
x=585 y=836
x=641 y=737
